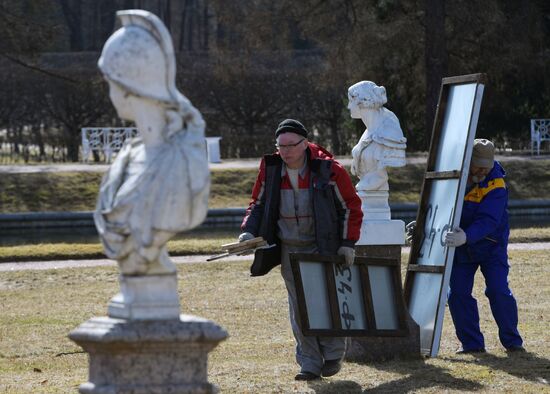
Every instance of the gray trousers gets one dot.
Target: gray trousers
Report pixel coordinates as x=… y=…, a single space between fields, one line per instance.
x=311 y=351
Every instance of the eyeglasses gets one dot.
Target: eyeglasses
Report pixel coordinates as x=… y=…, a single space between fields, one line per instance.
x=289 y=146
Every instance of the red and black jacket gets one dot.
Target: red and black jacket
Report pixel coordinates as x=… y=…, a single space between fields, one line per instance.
x=336 y=206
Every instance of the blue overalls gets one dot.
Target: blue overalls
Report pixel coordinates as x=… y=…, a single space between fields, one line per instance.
x=485 y=221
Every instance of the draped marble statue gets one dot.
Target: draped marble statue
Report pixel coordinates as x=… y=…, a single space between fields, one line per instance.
x=382 y=144
x=158 y=184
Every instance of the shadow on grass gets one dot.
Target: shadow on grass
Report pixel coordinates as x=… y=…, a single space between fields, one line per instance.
x=526 y=366
x=417 y=375
x=339 y=386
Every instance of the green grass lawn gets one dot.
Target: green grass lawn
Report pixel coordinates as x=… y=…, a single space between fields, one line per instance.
x=527 y=179
x=196 y=242
x=39 y=309
x=71 y=191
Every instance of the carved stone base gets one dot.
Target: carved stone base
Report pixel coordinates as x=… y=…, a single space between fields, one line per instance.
x=374 y=204
x=382 y=232
x=153 y=356
x=146 y=297
x=367 y=349
x=377 y=227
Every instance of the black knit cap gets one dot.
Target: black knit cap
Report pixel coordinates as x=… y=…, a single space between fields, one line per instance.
x=291 y=126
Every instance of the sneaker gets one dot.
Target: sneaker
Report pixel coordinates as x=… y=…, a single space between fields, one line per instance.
x=515 y=349
x=304 y=375
x=470 y=351
x=331 y=367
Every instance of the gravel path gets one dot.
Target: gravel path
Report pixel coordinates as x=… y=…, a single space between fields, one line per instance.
x=226 y=164
x=61 y=264
x=78 y=167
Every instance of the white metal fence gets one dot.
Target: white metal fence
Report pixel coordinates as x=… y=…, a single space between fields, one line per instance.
x=105 y=140
x=540 y=131
x=109 y=140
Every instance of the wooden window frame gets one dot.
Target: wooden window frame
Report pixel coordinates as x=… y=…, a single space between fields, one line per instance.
x=430 y=177
x=362 y=263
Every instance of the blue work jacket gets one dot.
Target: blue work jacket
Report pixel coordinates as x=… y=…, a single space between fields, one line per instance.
x=485 y=219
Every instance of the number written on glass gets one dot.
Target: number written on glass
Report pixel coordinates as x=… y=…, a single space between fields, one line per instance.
x=343 y=277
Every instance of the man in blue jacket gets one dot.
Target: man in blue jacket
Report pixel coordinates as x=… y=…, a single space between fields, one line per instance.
x=481 y=241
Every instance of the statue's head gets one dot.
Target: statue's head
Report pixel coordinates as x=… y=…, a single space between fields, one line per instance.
x=139 y=59
x=365 y=95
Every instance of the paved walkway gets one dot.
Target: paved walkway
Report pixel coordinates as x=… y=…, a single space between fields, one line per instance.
x=80 y=167
x=61 y=264
x=224 y=165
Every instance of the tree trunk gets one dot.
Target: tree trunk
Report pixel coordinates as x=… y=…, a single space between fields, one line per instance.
x=436 y=58
x=72 y=11
x=39 y=140
x=72 y=144
x=335 y=138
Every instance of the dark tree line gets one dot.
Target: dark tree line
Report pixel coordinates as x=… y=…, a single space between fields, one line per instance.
x=248 y=65
x=49 y=112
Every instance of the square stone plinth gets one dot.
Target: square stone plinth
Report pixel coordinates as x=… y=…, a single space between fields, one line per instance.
x=150 y=356
x=382 y=232
x=369 y=349
x=146 y=297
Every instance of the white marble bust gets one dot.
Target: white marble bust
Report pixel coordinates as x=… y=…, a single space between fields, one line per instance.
x=382 y=144
x=158 y=184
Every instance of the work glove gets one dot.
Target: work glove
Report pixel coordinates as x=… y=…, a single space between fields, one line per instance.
x=409 y=230
x=348 y=253
x=245 y=237
x=455 y=238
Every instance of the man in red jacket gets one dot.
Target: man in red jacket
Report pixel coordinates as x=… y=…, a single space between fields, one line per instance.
x=303 y=201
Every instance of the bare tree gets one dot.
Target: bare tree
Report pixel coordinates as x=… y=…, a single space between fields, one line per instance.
x=250 y=106
x=73 y=106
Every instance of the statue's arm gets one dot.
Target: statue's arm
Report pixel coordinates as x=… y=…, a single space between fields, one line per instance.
x=356 y=154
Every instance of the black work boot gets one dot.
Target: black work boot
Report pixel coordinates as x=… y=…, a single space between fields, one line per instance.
x=331 y=367
x=305 y=375
x=515 y=349
x=470 y=351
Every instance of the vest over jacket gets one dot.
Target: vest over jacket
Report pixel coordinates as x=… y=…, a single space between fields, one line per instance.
x=335 y=204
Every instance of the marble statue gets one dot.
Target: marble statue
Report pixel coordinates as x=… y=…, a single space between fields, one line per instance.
x=382 y=144
x=156 y=187
x=158 y=184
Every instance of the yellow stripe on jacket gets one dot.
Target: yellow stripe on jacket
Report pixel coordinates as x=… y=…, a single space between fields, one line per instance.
x=477 y=193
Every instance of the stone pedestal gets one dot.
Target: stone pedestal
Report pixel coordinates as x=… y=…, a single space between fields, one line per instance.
x=382 y=232
x=374 y=204
x=377 y=227
x=382 y=237
x=148 y=356
x=146 y=297
x=367 y=349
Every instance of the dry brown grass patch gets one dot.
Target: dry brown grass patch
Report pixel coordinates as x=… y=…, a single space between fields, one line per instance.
x=39 y=308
